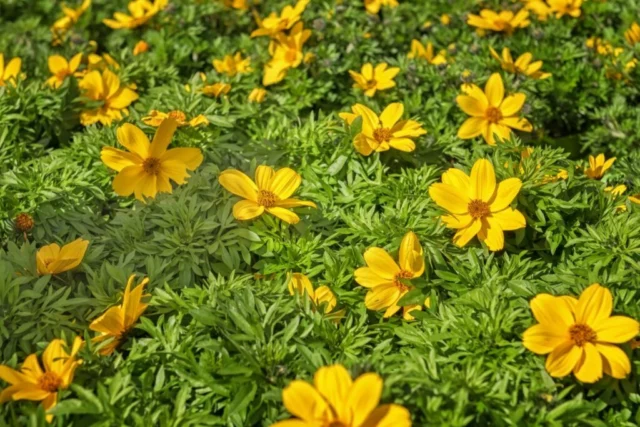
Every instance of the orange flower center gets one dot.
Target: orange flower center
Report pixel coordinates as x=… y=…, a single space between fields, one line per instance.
x=151 y=166
x=178 y=116
x=478 y=209
x=382 y=134
x=503 y=25
x=582 y=334
x=49 y=381
x=24 y=222
x=291 y=55
x=371 y=84
x=493 y=114
x=402 y=274
x=267 y=198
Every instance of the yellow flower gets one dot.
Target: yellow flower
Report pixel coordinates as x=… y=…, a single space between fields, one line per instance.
x=445 y=19
x=579 y=335
x=64 y=24
x=274 y=23
x=60 y=69
x=117 y=322
x=100 y=63
x=335 y=399
x=270 y=192
x=539 y=7
x=106 y=88
x=386 y=280
x=237 y=4
x=478 y=205
x=632 y=35
x=504 y=21
x=371 y=79
x=374 y=6
x=51 y=259
x=522 y=65
x=300 y=284
x=384 y=132
x=155 y=118
x=140 y=47
x=34 y=383
x=426 y=52
x=141 y=11
x=491 y=113
x=257 y=95
x=286 y=52
x=10 y=72
x=232 y=65
x=561 y=175
x=216 y=89
x=618 y=190
x=598 y=166
x=565 y=7
x=147 y=168
x=603 y=47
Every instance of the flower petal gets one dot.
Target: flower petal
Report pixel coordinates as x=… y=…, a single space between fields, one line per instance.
x=563 y=359
x=512 y=104
x=411 y=255
x=472 y=127
x=246 y=210
x=594 y=305
x=381 y=297
x=191 y=157
x=127 y=180
x=303 y=401
x=391 y=114
x=464 y=235
x=470 y=105
x=239 y=184
x=118 y=159
x=553 y=312
x=284 y=214
x=542 y=339
x=483 y=181
x=264 y=175
x=508 y=219
x=285 y=182
x=134 y=140
x=364 y=397
x=388 y=416
x=381 y=263
x=449 y=198
x=589 y=368
x=616 y=329
x=617 y=362
x=494 y=89
x=368 y=278
x=506 y=191
x=333 y=383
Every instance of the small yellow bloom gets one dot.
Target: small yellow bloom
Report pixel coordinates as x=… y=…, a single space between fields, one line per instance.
x=100 y=62
x=118 y=321
x=539 y=8
x=522 y=65
x=274 y=23
x=140 y=47
x=565 y=7
x=635 y=198
x=383 y=132
x=270 y=192
x=632 y=35
x=237 y=4
x=61 y=69
x=147 y=168
x=155 y=118
x=386 y=279
x=618 y=190
x=141 y=11
x=504 y=21
x=52 y=259
x=418 y=50
x=445 y=19
x=579 y=335
x=374 y=6
x=106 y=88
x=286 y=53
x=232 y=65
x=371 y=79
x=10 y=72
x=60 y=28
x=603 y=47
x=477 y=205
x=300 y=284
x=34 y=383
x=491 y=113
x=561 y=175
x=427 y=24
x=335 y=399
x=257 y=95
x=598 y=166
x=216 y=89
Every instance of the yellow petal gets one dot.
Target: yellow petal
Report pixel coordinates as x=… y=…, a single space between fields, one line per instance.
x=122 y=98
x=494 y=90
x=132 y=306
x=381 y=263
x=300 y=283
x=512 y=104
x=382 y=297
x=594 y=305
x=285 y=182
x=506 y=191
x=470 y=105
x=464 y=235
x=616 y=329
x=402 y=144
x=118 y=159
x=134 y=140
x=457 y=179
x=508 y=219
x=542 y=339
x=472 y=127
x=364 y=397
x=563 y=359
x=589 y=368
x=368 y=278
x=391 y=114
x=111 y=322
x=553 y=312
x=190 y=157
x=294 y=203
x=247 y=209
x=162 y=138
x=239 y=184
x=483 y=180
x=303 y=401
x=125 y=183
x=334 y=383
x=411 y=256
x=264 y=175
x=284 y=214
x=388 y=416
x=491 y=234
x=449 y=197
x=617 y=363
x=13 y=377
x=57 y=64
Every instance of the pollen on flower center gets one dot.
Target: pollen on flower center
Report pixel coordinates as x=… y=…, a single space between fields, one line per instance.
x=151 y=166
x=50 y=382
x=478 y=209
x=382 y=134
x=402 y=274
x=582 y=334
x=493 y=114
x=267 y=198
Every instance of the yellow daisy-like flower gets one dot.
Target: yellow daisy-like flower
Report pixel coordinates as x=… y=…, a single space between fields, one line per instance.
x=271 y=192
x=335 y=399
x=632 y=35
x=61 y=69
x=504 y=21
x=101 y=62
x=237 y=4
x=420 y=51
x=286 y=53
x=539 y=8
x=9 y=72
x=155 y=118
x=140 y=47
x=115 y=97
x=618 y=190
x=31 y=382
x=232 y=65
x=491 y=113
x=371 y=79
x=477 y=205
x=374 y=6
x=522 y=65
x=51 y=259
x=140 y=11
x=565 y=7
x=274 y=23
x=579 y=335
x=384 y=132
x=387 y=280
x=300 y=284
x=216 y=89
x=257 y=95
x=64 y=24
x=116 y=323
x=148 y=167
x=598 y=166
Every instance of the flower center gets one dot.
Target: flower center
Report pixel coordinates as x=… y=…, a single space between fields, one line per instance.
x=267 y=198
x=50 y=382
x=581 y=334
x=178 y=116
x=402 y=274
x=478 y=209
x=151 y=166
x=382 y=134
x=371 y=84
x=493 y=114
x=291 y=55
x=503 y=25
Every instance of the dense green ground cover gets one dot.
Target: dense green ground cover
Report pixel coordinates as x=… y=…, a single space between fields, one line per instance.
x=222 y=336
